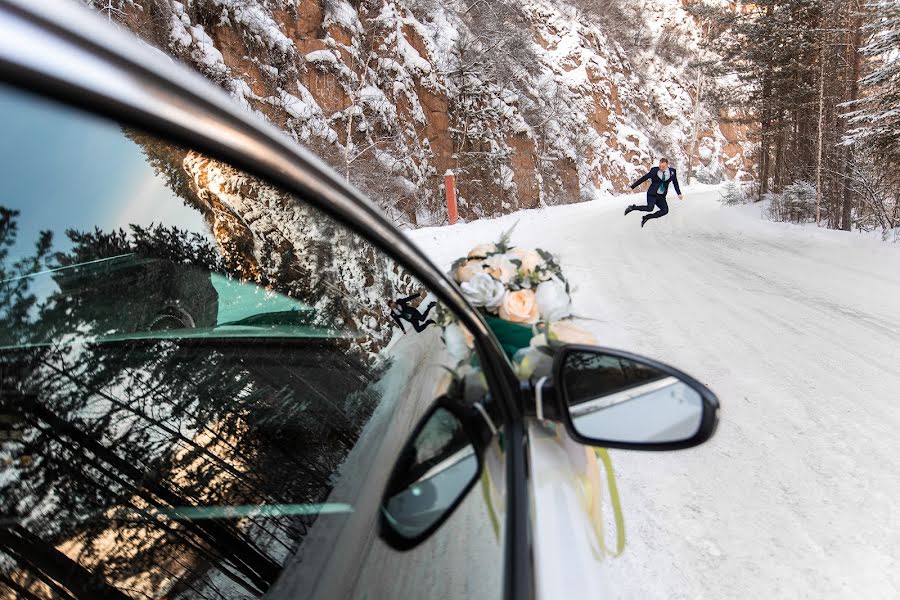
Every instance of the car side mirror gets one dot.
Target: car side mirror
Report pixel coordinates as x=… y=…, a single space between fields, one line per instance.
x=437 y=467
x=620 y=400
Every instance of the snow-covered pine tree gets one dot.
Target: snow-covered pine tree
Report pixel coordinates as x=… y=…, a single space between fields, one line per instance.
x=801 y=197
x=876 y=115
x=731 y=194
x=796 y=204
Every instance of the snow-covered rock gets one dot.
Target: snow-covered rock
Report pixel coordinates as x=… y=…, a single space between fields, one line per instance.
x=530 y=103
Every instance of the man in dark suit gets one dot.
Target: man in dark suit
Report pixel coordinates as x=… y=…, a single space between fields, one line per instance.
x=400 y=309
x=660 y=177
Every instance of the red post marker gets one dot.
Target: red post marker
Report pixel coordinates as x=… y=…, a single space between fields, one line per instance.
x=450 y=185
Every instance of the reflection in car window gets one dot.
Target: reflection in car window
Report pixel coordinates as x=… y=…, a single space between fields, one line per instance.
x=592 y=376
x=202 y=381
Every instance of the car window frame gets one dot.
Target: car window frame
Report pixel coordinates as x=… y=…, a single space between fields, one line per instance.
x=61 y=51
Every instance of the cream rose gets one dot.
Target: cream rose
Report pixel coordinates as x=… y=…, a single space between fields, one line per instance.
x=519 y=307
x=500 y=268
x=569 y=333
x=483 y=290
x=530 y=259
x=467 y=271
x=553 y=300
x=482 y=250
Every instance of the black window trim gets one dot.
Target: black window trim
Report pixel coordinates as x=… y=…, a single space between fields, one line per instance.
x=62 y=51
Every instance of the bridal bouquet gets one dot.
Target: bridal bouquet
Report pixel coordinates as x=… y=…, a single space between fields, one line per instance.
x=525 y=299
x=522 y=294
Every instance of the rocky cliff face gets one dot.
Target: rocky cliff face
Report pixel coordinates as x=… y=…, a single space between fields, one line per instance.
x=529 y=103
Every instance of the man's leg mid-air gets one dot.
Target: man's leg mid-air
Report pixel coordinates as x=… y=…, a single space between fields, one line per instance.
x=420 y=326
x=651 y=204
x=663 y=211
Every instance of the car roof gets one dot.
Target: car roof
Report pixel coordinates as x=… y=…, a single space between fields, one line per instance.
x=62 y=50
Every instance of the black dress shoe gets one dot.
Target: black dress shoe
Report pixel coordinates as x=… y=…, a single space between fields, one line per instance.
x=644 y=220
x=629 y=209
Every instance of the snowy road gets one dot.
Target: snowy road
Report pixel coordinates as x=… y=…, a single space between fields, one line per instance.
x=798 y=332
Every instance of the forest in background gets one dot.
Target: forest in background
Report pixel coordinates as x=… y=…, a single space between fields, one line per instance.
x=821 y=81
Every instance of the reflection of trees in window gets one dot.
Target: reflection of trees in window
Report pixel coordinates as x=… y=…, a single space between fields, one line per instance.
x=16 y=299
x=273 y=238
x=104 y=440
x=118 y=282
x=589 y=376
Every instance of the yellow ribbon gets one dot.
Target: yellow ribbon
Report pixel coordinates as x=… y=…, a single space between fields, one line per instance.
x=603 y=455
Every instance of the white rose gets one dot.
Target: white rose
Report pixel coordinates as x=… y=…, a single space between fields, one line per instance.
x=482 y=250
x=530 y=259
x=519 y=307
x=500 y=268
x=459 y=341
x=467 y=271
x=553 y=300
x=483 y=290
x=569 y=333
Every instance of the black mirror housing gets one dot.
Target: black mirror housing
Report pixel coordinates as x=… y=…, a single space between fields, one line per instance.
x=616 y=399
x=438 y=466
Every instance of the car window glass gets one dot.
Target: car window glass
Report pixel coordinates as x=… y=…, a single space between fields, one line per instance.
x=204 y=381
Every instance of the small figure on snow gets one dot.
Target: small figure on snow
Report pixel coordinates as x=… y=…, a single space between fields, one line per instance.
x=400 y=309
x=660 y=177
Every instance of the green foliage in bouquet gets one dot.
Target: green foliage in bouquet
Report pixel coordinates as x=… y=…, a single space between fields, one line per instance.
x=512 y=336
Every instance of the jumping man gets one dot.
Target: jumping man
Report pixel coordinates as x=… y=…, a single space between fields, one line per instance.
x=660 y=177
x=400 y=309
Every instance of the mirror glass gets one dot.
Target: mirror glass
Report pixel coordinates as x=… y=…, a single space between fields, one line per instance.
x=435 y=468
x=617 y=399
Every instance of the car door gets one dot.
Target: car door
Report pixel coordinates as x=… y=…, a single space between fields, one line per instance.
x=204 y=389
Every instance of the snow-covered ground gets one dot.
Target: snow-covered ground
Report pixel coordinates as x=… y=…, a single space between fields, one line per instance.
x=798 y=332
